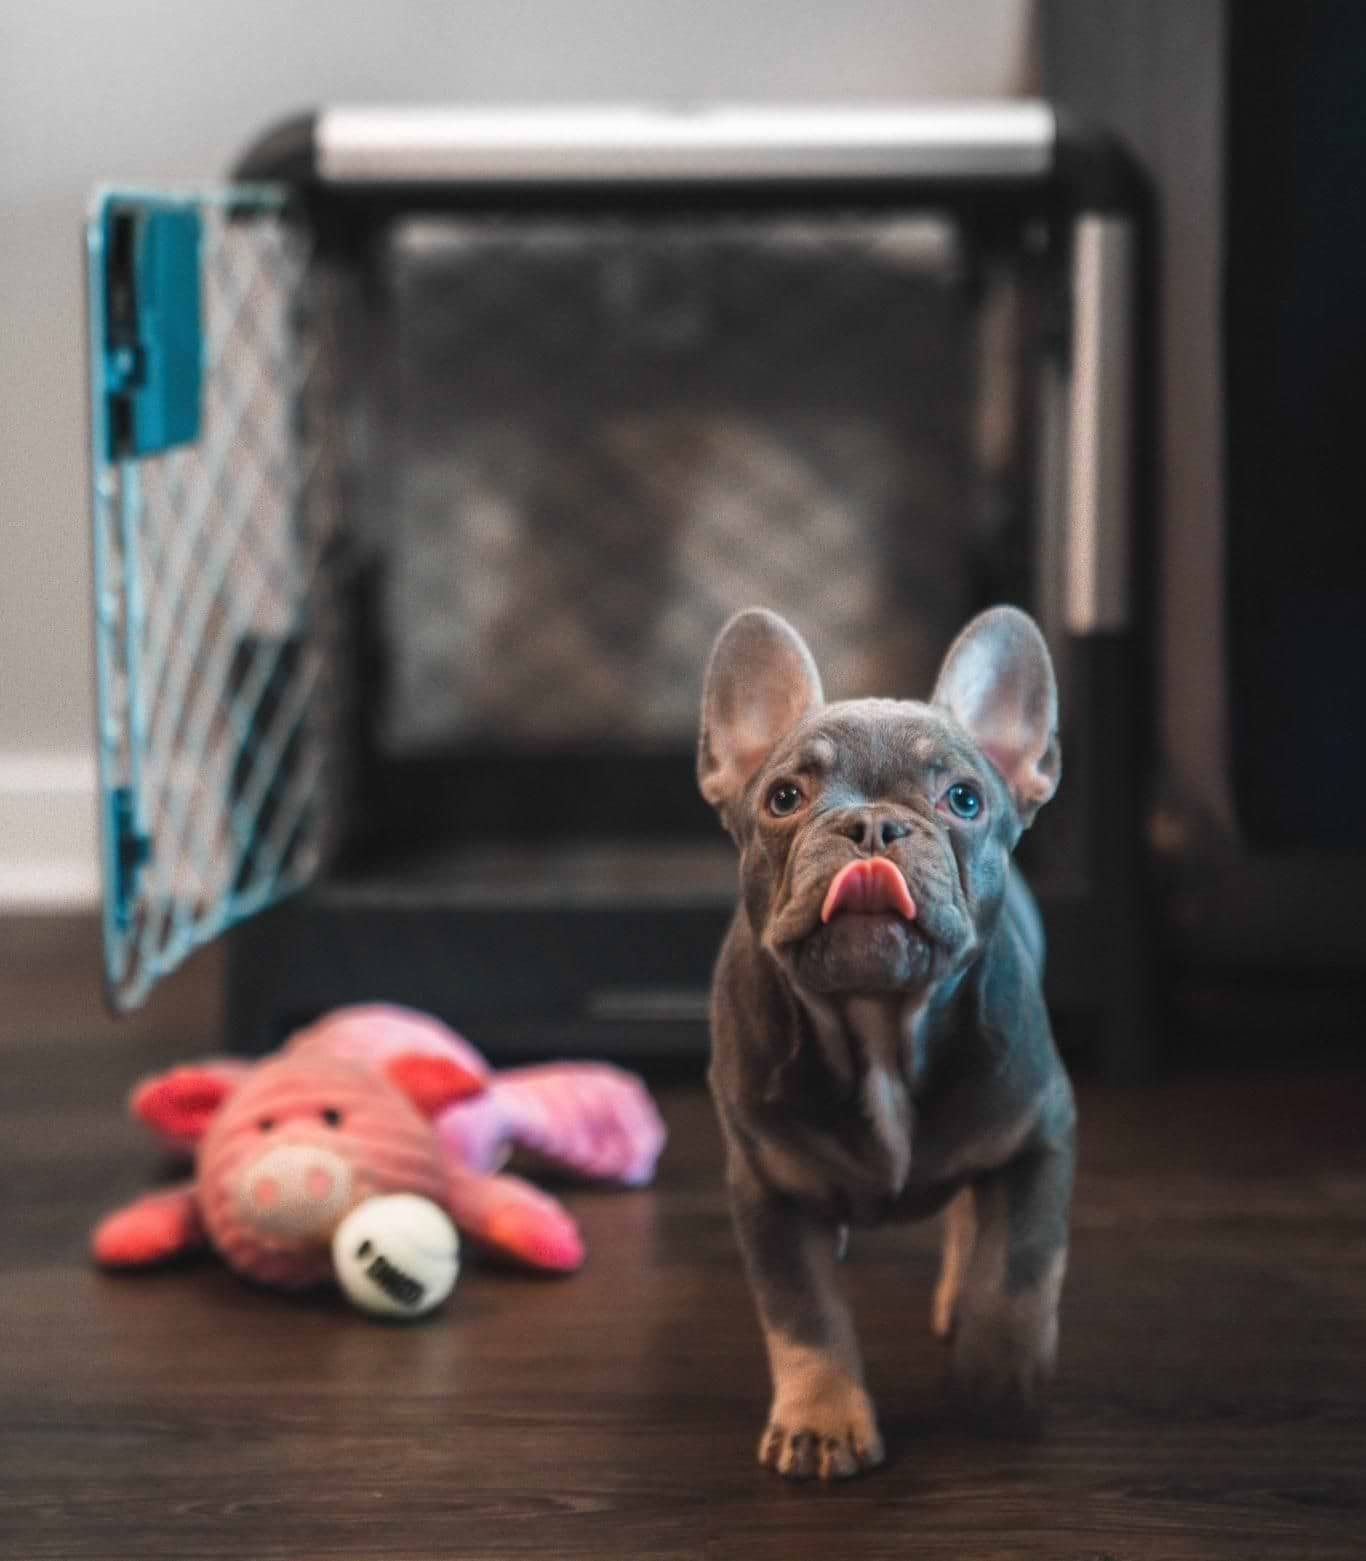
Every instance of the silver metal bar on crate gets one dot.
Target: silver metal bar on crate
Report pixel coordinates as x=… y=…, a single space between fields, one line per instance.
x=1100 y=433
x=984 y=141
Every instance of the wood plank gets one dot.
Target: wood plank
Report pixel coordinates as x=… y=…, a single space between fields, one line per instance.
x=1211 y=1403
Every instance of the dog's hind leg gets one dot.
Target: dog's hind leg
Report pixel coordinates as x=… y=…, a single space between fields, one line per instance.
x=960 y=1229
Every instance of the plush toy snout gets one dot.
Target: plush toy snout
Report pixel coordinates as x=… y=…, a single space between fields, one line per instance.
x=295 y=1190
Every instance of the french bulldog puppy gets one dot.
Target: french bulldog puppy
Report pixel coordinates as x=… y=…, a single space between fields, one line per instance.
x=881 y=1048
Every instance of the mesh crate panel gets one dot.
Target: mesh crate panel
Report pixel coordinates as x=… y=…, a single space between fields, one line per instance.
x=601 y=437
x=218 y=687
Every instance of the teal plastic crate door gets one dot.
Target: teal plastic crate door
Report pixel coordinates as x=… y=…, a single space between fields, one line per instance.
x=213 y=518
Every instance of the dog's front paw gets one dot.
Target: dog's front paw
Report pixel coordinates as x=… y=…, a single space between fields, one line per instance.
x=1005 y=1397
x=1003 y=1362
x=822 y=1441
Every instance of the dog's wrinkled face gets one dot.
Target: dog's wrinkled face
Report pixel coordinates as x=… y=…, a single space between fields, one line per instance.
x=895 y=787
x=875 y=834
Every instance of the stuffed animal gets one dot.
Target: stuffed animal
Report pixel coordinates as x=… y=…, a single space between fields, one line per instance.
x=368 y=1102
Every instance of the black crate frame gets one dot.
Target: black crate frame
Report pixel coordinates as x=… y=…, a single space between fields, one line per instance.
x=620 y=970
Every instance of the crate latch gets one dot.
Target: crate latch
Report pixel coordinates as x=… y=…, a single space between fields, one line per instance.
x=132 y=849
x=152 y=346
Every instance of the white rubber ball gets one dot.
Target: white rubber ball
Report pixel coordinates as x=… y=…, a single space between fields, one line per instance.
x=396 y=1256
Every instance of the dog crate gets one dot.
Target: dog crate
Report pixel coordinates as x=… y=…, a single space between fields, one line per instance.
x=431 y=451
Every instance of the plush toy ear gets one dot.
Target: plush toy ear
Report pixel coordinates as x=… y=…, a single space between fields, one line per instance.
x=760 y=682
x=178 y=1106
x=432 y=1083
x=155 y=1227
x=997 y=679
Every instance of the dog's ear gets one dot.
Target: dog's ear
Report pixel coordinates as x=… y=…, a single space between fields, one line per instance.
x=997 y=680
x=760 y=682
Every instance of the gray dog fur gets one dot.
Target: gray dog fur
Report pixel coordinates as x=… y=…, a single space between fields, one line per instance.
x=879 y=1066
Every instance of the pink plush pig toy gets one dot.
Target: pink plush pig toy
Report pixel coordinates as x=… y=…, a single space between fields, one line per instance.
x=371 y=1101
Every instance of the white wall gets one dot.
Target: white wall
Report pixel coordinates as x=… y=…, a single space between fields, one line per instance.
x=169 y=90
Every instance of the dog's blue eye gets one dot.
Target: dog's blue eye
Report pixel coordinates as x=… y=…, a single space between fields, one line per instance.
x=784 y=799
x=964 y=801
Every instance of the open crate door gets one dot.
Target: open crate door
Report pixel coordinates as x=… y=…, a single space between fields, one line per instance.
x=212 y=531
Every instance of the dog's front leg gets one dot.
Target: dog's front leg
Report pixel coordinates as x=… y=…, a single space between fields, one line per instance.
x=822 y=1423
x=1006 y=1321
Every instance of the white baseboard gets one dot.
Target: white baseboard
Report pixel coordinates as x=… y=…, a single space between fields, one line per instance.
x=49 y=838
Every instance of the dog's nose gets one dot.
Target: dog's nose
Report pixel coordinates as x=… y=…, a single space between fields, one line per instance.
x=874 y=829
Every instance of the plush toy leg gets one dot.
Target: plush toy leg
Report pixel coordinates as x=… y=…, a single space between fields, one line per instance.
x=589 y=1118
x=514 y=1218
x=157 y=1226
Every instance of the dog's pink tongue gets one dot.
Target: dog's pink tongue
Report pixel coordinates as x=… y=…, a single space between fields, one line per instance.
x=868 y=885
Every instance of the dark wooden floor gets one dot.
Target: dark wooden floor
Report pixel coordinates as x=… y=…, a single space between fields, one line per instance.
x=1212 y=1398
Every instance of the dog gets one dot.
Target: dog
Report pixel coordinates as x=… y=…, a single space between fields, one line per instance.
x=881 y=1046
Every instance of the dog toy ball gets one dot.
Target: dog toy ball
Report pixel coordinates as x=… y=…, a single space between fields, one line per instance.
x=396 y=1256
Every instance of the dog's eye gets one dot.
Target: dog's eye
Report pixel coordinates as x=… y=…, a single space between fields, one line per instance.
x=784 y=799
x=266 y=1124
x=331 y=1116
x=964 y=800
